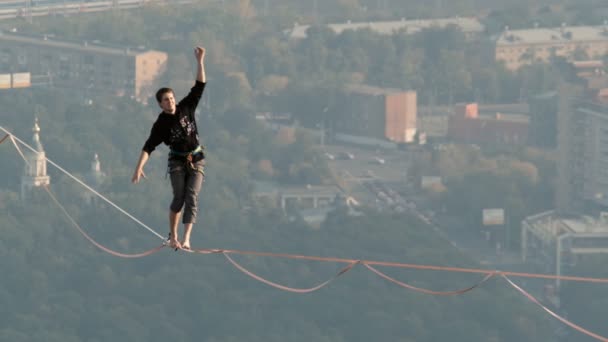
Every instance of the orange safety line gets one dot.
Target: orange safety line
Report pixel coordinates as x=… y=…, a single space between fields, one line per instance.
x=286 y=288
x=98 y=245
x=488 y=276
x=558 y=317
x=404 y=265
x=6 y=136
x=15 y=140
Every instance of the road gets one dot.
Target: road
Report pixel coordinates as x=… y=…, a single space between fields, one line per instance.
x=11 y=9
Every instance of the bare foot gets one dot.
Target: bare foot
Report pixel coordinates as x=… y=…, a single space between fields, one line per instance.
x=186 y=244
x=174 y=243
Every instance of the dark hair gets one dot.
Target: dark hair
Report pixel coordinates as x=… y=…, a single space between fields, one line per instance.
x=161 y=92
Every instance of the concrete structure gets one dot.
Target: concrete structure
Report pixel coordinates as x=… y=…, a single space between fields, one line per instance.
x=554 y=242
x=311 y=196
x=35 y=168
x=298 y=197
x=380 y=113
x=582 y=145
x=466 y=125
x=84 y=65
x=471 y=27
x=520 y=47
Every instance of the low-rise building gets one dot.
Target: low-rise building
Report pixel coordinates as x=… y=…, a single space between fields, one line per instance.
x=471 y=27
x=553 y=243
x=466 y=125
x=520 y=47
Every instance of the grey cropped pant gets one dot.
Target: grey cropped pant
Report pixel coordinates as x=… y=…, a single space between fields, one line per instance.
x=186 y=183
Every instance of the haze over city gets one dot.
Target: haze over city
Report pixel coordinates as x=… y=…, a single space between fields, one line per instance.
x=303 y=170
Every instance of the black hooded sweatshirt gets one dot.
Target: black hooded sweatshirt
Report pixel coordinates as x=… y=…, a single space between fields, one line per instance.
x=179 y=130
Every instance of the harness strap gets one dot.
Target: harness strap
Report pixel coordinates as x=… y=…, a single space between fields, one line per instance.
x=197 y=150
x=188 y=158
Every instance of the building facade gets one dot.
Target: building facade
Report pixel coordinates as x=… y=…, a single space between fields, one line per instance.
x=380 y=113
x=520 y=47
x=554 y=243
x=466 y=125
x=582 y=146
x=83 y=65
x=470 y=27
x=543 y=121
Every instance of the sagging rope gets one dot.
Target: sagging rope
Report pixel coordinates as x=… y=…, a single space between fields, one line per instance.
x=13 y=138
x=95 y=243
x=351 y=262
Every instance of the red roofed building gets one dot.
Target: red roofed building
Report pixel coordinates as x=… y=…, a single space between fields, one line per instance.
x=466 y=125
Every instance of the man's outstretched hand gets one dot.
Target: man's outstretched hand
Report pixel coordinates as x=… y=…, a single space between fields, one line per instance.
x=199 y=52
x=137 y=176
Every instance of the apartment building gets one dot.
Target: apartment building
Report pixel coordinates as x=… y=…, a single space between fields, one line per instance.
x=520 y=47
x=582 y=145
x=84 y=65
x=471 y=27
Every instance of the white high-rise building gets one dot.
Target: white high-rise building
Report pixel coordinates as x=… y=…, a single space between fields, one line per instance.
x=35 y=168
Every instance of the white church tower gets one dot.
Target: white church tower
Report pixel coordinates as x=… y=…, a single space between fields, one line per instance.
x=95 y=178
x=35 y=168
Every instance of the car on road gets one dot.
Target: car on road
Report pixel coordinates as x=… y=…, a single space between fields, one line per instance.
x=379 y=160
x=346 y=156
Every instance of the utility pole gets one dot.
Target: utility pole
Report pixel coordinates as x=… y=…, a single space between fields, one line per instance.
x=323 y=127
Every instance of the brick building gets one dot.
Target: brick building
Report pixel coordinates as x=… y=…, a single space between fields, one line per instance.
x=380 y=113
x=466 y=125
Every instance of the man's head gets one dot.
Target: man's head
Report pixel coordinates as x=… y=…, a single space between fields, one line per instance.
x=166 y=100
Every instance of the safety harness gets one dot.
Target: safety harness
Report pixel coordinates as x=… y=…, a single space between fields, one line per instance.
x=188 y=157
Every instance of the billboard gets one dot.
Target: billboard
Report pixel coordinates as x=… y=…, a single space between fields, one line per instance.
x=5 y=81
x=22 y=80
x=493 y=217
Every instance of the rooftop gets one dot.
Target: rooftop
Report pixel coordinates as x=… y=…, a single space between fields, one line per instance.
x=586 y=224
x=554 y=225
x=561 y=34
x=505 y=117
x=372 y=90
x=87 y=46
x=467 y=25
